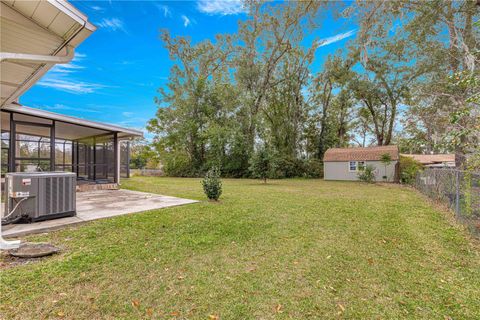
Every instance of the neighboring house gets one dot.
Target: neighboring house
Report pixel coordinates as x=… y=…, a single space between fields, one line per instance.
x=433 y=160
x=346 y=163
x=36 y=35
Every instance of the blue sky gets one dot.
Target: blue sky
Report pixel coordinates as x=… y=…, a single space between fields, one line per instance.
x=117 y=70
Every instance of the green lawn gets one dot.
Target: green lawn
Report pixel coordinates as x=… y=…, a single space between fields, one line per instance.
x=291 y=249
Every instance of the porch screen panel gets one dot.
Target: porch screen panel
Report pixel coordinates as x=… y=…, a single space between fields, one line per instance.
x=110 y=157
x=32 y=151
x=63 y=155
x=124 y=159
x=93 y=159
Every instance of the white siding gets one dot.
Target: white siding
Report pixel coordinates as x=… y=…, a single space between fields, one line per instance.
x=334 y=170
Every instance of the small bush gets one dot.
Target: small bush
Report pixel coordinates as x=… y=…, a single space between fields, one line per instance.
x=386 y=159
x=313 y=168
x=409 y=168
x=367 y=174
x=261 y=164
x=212 y=185
x=177 y=164
x=286 y=167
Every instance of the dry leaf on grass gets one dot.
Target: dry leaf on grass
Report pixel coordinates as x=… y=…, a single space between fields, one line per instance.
x=135 y=303
x=279 y=308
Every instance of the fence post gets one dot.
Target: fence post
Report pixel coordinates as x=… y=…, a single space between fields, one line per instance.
x=457 y=192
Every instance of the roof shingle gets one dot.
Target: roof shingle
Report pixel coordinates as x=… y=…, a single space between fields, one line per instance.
x=431 y=158
x=360 y=154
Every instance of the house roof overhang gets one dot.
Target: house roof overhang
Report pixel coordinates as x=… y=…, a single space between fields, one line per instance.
x=67 y=127
x=35 y=35
x=426 y=159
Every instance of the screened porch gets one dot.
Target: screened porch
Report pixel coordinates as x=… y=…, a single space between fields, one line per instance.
x=37 y=140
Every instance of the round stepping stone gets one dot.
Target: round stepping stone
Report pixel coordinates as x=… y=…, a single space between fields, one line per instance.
x=34 y=250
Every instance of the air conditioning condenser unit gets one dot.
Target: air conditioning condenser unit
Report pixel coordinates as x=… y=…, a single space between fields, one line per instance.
x=37 y=196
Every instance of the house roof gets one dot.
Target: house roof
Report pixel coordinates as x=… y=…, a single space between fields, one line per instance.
x=34 y=36
x=431 y=158
x=360 y=154
x=67 y=127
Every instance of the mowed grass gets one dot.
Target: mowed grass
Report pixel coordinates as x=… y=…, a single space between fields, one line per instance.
x=291 y=249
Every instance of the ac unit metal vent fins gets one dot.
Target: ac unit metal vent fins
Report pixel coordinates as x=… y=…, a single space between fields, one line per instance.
x=48 y=195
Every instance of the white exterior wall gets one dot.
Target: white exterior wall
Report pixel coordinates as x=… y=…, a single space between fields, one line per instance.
x=339 y=170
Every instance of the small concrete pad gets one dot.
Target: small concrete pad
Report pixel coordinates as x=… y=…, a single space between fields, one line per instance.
x=99 y=204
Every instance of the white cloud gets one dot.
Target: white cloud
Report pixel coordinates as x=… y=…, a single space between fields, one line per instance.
x=186 y=21
x=221 y=7
x=66 y=68
x=70 y=67
x=336 y=38
x=167 y=13
x=71 y=86
x=79 y=56
x=97 y=8
x=59 y=106
x=113 y=24
x=60 y=78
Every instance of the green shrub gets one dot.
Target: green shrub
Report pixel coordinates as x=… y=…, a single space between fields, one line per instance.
x=386 y=159
x=367 y=174
x=286 y=167
x=212 y=185
x=409 y=168
x=313 y=168
x=261 y=164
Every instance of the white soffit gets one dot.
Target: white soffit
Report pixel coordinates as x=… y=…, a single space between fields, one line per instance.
x=37 y=28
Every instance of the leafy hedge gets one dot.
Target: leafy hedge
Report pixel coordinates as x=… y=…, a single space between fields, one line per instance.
x=408 y=169
x=280 y=167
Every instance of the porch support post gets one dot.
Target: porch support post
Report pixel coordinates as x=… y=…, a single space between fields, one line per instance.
x=128 y=159
x=116 y=153
x=73 y=157
x=94 y=159
x=52 y=146
x=13 y=146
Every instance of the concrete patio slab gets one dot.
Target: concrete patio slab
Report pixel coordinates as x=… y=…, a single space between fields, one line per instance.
x=99 y=204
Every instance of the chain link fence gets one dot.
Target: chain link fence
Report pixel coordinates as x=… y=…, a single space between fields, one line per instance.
x=460 y=190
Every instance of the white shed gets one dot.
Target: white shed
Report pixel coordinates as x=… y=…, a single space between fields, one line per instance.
x=346 y=163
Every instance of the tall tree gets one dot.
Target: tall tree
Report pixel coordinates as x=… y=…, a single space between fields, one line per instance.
x=335 y=75
x=271 y=33
x=442 y=44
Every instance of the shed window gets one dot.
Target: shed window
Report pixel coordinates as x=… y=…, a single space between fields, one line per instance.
x=356 y=166
x=361 y=165
x=352 y=166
